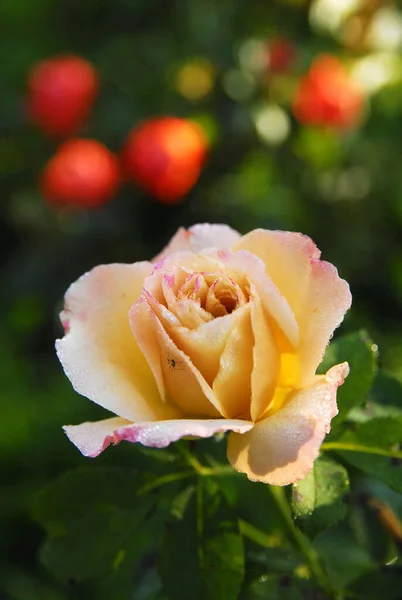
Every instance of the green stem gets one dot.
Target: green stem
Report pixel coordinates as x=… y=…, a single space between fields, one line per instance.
x=351 y=447
x=254 y=534
x=147 y=487
x=189 y=457
x=217 y=470
x=302 y=542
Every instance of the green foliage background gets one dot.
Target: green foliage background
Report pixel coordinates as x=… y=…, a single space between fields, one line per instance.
x=123 y=527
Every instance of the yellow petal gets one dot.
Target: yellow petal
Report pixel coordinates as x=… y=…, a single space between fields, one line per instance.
x=243 y=266
x=282 y=448
x=327 y=300
x=203 y=345
x=173 y=369
x=286 y=256
x=266 y=360
x=232 y=384
x=318 y=297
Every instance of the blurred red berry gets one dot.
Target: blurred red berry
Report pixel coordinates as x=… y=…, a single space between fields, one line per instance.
x=164 y=157
x=327 y=96
x=281 y=55
x=81 y=173
x=61 y=93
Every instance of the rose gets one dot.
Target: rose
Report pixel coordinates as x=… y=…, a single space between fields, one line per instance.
x=221 y=333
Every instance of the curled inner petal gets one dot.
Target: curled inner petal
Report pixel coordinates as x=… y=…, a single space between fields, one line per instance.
x=224 y=296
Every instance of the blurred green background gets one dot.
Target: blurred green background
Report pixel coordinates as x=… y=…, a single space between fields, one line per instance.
x=344 y=189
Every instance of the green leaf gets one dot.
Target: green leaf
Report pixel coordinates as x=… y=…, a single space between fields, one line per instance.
x=343 y=558
x=84 y=491
x=374 y=447
x=357 y=350
x=278 y=560
x=385 y=400
x=181 y=501
x=203 y=552
x=96 y=521
x=387 y=395
x=318 y=501
x=97 y=544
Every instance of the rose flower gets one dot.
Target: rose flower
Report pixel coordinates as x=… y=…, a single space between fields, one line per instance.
x=220 y=333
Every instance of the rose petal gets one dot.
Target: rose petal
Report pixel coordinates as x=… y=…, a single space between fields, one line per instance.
x=286 y=256
x=199 y=237
x=188 y=312
x=315 y=292
x=203 y=345
x=160 y=435
x=266 y=360
x=92 y=438
x=99 y=353
x=243 y=264
x=232 y=385
x=282 y=448
x=167 y=277
x=172 y=369
x=327 y=299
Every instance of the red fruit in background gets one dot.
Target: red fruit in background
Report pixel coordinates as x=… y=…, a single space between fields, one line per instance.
x=61 y=93
x=81 y=173
x=327 y=96
x=164 y=157
x=281 y=54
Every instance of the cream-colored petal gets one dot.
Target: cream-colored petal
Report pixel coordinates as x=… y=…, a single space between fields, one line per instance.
x=99 y=353
x=282 y=448
x=242 y=264
x=286 y=256
x=327 y=299
x=315 y=292
x=188 y=312
x=172 y=368
x=199 y=237
x=92 y=438
x=160 y=435
x=232 y=385
x=167 y=278
x=203 y=345
x=187 y=263
x=266 y=360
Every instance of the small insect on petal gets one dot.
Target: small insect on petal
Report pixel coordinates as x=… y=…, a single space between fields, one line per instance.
x=174 y=363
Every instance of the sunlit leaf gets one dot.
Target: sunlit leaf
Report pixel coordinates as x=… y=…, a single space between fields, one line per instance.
x=374 y=447
x=318 y=501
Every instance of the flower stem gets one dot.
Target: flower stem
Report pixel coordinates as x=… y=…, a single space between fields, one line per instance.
x=199 y=468
x=254 y=534
x=147 y=487
x=351 y=447
x=302 y=542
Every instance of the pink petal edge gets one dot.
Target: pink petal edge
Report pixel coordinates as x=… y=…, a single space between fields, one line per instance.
x=198 y=237
x=92 y=438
